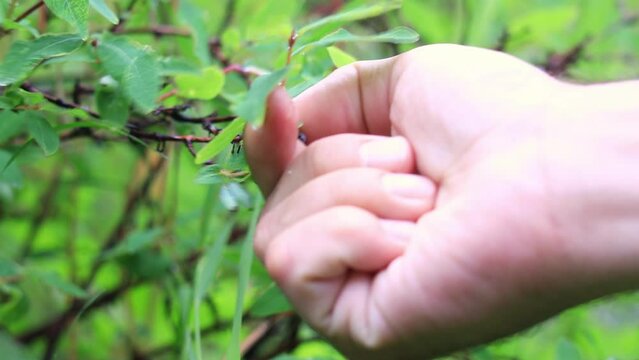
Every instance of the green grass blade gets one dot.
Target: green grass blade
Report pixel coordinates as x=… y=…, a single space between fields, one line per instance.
x=246 y=260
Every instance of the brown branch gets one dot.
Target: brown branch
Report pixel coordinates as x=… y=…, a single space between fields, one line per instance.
x=58 y=101
x=81 y=133
x=291 y=44
x=502 y=41
x=558 y=64
x=29 y=11
x=157 y=30
x=189 y=146
x=168 y=95
x=277 y=335
x=328 y=9
x=45 y=202
x=245 y=72
x=175 y=113
x=215 y=48
x=56 y=326
x=118 y=27
x=171 y=138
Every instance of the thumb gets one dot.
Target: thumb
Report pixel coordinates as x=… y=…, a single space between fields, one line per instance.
x=270 y=149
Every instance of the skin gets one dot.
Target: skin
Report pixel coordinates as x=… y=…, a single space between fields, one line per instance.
x=449 y=196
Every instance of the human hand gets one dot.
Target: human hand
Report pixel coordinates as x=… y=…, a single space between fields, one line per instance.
x=475 y=247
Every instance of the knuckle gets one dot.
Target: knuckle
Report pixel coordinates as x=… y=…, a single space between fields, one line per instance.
x=327 y=154
x=320 y=157
x=278 y=260
x=351 y=221
x=353 y=181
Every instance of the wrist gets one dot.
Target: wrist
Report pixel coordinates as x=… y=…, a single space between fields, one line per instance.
x=592 y=159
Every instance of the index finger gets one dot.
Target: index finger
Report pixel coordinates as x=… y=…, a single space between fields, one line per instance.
x=353 y=99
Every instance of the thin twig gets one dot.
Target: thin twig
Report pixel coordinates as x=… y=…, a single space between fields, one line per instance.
x=157 y=30
x=171 y=138
x=29 y=11
x=558 y=64
x=45 y=203
x=118 y=27
x=58 y=101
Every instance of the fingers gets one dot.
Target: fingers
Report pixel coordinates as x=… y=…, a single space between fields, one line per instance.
x=345 y=151
x=311 y=258
x=270 y=149
x=387 y=195
x=332 y=172
x=353 y=99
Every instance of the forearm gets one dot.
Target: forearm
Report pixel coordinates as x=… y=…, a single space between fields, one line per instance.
x=594 y=157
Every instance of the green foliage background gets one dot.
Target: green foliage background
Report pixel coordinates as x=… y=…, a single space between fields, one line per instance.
x=110 y=248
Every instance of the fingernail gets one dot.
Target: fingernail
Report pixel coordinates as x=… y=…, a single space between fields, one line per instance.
x=408 y=186
x=401 y=231
x=381 y=153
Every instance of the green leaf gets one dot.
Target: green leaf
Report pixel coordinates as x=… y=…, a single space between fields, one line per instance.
x=12 y=349
x=11 y=124
x=231 y=40
x=191 y=16
x=141 y=82
x=486 y=23
x=23 y=56
x=3 y=10
x=233 y=196
x=208 y=265
x=75 y=12
x=173 y=66
x=596 y=16
x=433 y=20
x=54 y=280
x=340 y=57
x=204 y=86
x=566 y=350
x=271 y=302
x=398 y=35
x=112 y=105
x=23 y=25
x=116 y=53
x=205 y=272
x=359 y=13
x=14 y=304
x=6 y=103
x=210 y=175
x=220 y=142
x=147 y=264
x=246 y=260
x=135 y=242
x=253 y=108
x=9 y=268
x=43 y=133
x=104 y=10
x=10 y=173
x=540 y=27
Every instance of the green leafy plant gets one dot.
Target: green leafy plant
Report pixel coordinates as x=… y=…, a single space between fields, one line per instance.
x=126 y=206
x=84 y=80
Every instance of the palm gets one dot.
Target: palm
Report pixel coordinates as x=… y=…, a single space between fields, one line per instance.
x=479 y=255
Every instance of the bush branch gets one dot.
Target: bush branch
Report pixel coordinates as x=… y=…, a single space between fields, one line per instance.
x=29 y=11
